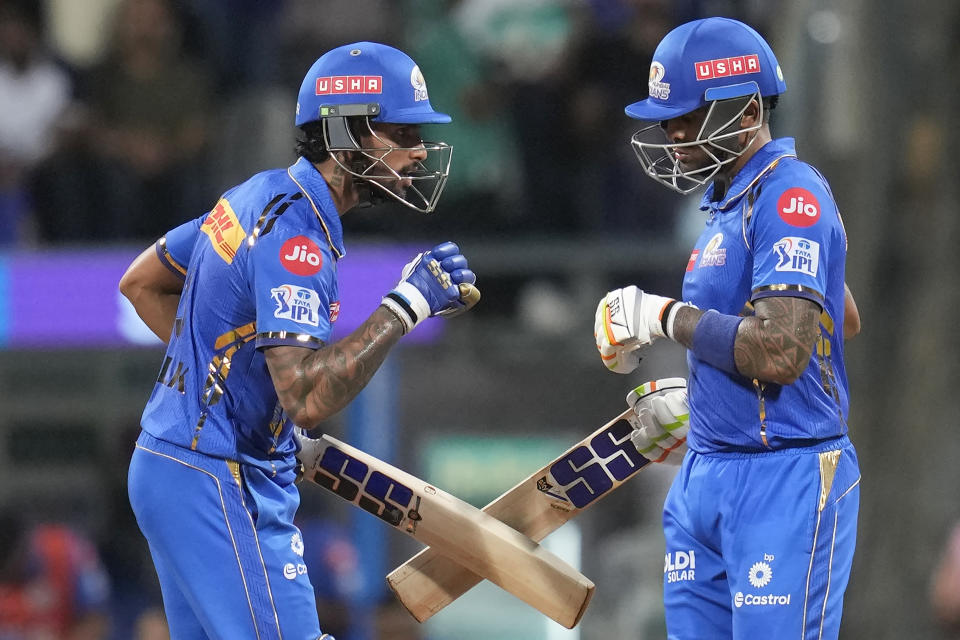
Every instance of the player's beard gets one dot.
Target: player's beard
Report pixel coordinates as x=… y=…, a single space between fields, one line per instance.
x=384 y=178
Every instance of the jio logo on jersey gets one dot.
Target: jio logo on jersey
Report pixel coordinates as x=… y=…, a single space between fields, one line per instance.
x=301 y=256
x=295 y=303
x=798 y=207
x=797 y=254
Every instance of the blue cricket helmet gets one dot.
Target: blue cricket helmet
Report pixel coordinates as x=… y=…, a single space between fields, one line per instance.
x=707 y=60
x=367 y=73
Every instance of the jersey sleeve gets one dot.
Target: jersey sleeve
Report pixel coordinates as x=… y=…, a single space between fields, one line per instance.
x=175 y=247
x=793 y=233
x=295 y=289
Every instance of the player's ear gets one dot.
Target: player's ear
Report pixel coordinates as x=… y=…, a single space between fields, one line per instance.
x=751 y=115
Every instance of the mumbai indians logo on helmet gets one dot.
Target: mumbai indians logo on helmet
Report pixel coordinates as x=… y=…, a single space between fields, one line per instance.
x=419 y=84
x=658 y=88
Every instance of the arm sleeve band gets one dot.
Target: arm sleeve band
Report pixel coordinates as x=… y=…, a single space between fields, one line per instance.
x=714 y=337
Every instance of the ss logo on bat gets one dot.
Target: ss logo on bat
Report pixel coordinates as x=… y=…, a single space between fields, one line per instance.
x=375 y=492
x=589 y=471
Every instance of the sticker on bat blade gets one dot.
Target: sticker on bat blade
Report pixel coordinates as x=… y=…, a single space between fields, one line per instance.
x=374 y=492
x=589 y=471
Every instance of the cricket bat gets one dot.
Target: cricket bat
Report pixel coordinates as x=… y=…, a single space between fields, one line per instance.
x=451 y=527
x=535 y=507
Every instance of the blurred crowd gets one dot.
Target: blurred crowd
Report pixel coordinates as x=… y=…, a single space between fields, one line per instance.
x=122 y=118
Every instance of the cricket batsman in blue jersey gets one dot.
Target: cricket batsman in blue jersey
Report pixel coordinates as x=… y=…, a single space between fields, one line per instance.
x=246 y=296
x=760 y=522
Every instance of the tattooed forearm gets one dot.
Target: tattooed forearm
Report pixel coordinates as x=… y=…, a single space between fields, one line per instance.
x=774 y=345
x=316 y=385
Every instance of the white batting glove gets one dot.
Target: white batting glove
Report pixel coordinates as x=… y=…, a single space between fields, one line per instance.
x=661 y=420
x=629 y=319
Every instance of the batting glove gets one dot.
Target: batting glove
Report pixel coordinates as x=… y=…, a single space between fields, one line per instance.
x=435 y=283
x=661 y=420
x=627 y=320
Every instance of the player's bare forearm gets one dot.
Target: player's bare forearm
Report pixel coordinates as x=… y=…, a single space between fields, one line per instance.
x=851 y=315
x=313 y=385
x=154 y=292
x=773 y=345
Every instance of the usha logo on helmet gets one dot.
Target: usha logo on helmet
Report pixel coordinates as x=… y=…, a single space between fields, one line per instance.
x=723 y=67
x=349 y=84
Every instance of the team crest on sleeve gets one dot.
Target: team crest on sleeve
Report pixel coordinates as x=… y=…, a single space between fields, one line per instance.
x=301 y=256
x=334 y=311
x=299 y=304
x=798 y=207
x=798 y=255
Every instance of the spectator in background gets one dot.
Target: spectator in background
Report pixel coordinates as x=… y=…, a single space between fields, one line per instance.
x=35 y=92
x=529 y=45
x=615 y=34
x=138 y=167
x=151 y=625
x=51 y=583
x=945 y=586
x=480 y=194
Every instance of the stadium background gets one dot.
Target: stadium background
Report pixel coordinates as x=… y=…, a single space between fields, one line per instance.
x=550 y=206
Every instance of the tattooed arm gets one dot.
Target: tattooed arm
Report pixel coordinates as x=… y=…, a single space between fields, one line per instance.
x=773 y=345
x=313 y=385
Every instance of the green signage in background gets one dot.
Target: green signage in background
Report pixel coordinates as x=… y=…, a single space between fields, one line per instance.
x=480 y=468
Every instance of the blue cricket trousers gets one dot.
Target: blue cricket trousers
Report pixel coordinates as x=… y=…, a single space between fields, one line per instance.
x=222 y=538
x=760 y=545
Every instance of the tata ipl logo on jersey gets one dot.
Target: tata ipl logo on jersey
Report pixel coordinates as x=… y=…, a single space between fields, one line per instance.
x=298 y=304
x=656 y=86
x=798 y=255
x=759 y=576
x=798 y=207
x=713 y=255
x=680 y=566
x=301 y=256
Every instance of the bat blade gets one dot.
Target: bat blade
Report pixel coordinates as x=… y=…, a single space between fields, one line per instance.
x=537 y=506
x=453 y=528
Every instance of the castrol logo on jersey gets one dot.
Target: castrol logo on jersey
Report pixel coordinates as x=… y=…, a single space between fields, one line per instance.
x=798 y=207
x=301 y=256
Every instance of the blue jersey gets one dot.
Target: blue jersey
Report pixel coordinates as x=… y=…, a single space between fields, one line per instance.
x=260 y=270
x=776 y=233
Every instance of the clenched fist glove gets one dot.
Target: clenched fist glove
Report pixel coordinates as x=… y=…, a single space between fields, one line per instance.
x=627 y=320
x=435 y=283
x=661 y=420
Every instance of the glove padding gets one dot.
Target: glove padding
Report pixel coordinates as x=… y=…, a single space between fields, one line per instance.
x=627 y=320
x=435 y=283
x=661 y=420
